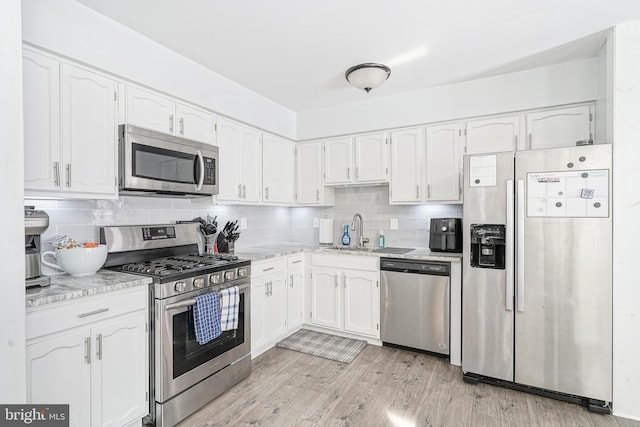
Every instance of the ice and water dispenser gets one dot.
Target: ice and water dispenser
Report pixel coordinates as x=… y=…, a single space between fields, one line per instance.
x=488 y=246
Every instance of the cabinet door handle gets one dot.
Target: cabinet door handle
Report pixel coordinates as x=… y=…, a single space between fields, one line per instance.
x=239 y=191
x=515 y=142
x=244 y=191
x=428 y=191
x=99 y=347
x=68 y=169
x=348 y=173
x=56 y=174
x=291 y=280
x=266 y=193
x=418 y=192
x=357 y=172
x=181 y=125
x=298 y=261
x=337 y=281
x=317 y=195
x=91 y=313
x=530 y=139
x=87 y=350
x=268 y=269
x=171 y=123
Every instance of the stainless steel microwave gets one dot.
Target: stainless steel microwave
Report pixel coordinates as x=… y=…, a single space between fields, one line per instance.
x=156 y=164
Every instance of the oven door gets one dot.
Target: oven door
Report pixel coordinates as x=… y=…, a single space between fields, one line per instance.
x=180 y=361
x=162 y=163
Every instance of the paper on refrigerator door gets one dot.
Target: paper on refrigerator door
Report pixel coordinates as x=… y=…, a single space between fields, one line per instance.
x=575 y=194
x=483 y=171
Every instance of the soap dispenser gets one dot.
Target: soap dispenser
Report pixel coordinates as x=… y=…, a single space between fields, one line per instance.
x=346 y=239
x=381 y=239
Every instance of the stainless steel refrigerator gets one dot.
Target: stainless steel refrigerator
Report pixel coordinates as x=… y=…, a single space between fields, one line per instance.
x=537 y=275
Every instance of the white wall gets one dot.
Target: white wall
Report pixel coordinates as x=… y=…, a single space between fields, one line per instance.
x=69 y=28
x=12 y=306
x=541 y=87
x=626 y=220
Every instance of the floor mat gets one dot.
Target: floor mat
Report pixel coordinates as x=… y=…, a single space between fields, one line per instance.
x=323 y=345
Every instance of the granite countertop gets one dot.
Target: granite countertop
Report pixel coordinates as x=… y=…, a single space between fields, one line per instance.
x=260 y=253
x=64 y=287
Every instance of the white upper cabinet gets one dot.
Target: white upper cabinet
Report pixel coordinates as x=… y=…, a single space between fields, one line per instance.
x=251 y=164
x=363 y=159
x=309 y=187
x=559 y=127
x=444 y=163
x=229 y=140
x=338 y=163
x=372 y=158
x=154 y=111
x=196 y=124
x=407 y=166
x=150 y=110
x=70 y=130
x=42 y=144
x=240 y=166
x=493 y=135
x=278 y=169
x=89 y=131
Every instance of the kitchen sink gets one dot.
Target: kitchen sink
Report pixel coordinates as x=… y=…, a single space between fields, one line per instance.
x=392 y=250
x=352 y=248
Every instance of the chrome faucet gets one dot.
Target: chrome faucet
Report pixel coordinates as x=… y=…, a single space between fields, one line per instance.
x=361 y=239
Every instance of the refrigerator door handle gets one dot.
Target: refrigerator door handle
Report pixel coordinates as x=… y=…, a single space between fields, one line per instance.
x=510 y=250
x=520 y=243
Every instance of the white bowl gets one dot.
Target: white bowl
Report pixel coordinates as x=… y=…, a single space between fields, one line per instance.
x=78 y=261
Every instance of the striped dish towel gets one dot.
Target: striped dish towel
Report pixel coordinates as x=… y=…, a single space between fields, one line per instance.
x=206 y=317
x=230 y=299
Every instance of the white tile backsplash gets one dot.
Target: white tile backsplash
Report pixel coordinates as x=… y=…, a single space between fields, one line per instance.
x=265 y=224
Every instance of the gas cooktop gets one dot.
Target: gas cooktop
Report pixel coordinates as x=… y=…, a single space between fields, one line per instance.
x=182 y=266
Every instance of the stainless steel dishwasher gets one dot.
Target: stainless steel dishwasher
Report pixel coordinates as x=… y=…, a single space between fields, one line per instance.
x=414 y=305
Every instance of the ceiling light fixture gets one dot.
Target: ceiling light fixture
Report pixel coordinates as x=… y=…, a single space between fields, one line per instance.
x=367 y=76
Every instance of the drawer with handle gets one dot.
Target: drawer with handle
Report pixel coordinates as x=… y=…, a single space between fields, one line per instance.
x=295 y=261
x=60 y=316
x=270 y=266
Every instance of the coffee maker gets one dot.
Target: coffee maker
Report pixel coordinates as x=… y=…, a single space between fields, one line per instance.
x=35 y=223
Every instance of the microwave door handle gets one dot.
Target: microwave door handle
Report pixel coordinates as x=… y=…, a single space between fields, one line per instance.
x=201 y=178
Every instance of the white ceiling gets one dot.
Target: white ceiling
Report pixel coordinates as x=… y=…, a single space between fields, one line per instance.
x=295 y=52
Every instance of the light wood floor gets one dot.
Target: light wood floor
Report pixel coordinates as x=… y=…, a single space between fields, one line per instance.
x=382 y=387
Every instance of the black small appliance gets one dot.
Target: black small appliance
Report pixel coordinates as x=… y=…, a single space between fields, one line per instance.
x=445 y=235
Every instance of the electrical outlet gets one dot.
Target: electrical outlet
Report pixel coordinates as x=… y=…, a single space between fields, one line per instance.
x=393 y=224
x=243 y=223
x=316 y=222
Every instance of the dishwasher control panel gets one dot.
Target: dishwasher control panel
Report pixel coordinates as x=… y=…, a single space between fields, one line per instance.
x=415 y=266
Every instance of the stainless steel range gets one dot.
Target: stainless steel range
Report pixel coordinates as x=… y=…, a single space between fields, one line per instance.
x=184 y=374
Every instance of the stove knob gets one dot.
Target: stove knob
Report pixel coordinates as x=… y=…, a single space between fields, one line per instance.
x=242 y=272
x=198 y=282
x=229 y=275
x=180 y=286
x=215 y=279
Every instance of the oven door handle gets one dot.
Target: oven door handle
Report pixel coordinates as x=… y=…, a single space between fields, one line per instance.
x=201 y=177
x=192 y=301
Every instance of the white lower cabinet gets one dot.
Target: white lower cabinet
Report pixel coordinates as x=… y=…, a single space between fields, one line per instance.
x=268 y=308
x=277 y=300
x=326 y=297
x=295 y=291
x=345 y=294
x=93 y=356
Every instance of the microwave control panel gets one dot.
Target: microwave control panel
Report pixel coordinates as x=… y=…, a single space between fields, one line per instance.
x=209 y=171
